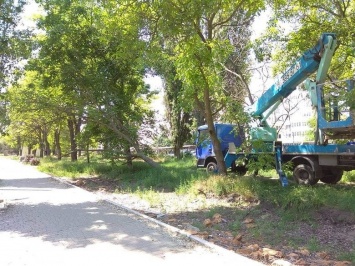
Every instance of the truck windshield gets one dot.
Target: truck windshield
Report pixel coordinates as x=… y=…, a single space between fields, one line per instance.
x=202 y=136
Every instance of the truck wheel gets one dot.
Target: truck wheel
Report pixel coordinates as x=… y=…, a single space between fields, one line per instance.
x=304 y=175
x=331 y=175
x=211 y=167
x=239 y=170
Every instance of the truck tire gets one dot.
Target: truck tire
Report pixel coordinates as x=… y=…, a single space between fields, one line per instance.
x=303 y=174
x=331 y=175
x=211 y=167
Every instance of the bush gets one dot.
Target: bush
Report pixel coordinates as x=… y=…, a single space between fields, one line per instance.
x=349 y=176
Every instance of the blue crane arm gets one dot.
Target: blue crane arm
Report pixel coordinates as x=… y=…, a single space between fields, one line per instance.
x=307 y=64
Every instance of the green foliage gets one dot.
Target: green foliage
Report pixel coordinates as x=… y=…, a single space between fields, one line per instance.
x=347 y=257
x=14 y=47
x=348 y=176
x=65 y=168
x=34 y=111
x=200 y=41
x=313 y=18
x=88 y=68
x=12 y=39
x=310 y=133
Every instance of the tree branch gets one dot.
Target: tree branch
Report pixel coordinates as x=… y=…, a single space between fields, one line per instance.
x=242 y=80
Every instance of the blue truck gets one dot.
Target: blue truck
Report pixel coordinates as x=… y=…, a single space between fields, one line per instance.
x=310 y=162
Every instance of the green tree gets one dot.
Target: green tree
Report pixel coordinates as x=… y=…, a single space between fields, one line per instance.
x=312 y=18
x=180 y=119
x=10 y=37
x=202 y=49
x=36 y=113
x=12 y=49
x=94 y=51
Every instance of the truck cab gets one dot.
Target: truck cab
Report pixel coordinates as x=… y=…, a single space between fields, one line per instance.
x=226 y=133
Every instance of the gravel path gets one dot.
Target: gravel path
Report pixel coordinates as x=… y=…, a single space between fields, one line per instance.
x=46 y=222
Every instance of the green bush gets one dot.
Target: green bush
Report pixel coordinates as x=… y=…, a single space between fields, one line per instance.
x=348 y=176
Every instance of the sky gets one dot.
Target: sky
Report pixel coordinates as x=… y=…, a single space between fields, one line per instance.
x=30 y=10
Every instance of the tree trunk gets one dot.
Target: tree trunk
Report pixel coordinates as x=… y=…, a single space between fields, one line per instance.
x=87 y=154
x=73 y=144
x=178 y=141
x=19 y=146
x=47 y=147
x=133 y=143
x=148 y=160
x=145 y=158
x=177 y=147
x=77 y=125
x=199 y=117
x=215 y=142
x=182 y=133
x=41 y=144
x=58 y=148
x=129 y=157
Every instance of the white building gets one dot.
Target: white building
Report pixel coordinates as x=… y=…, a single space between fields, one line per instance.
x=292 y=118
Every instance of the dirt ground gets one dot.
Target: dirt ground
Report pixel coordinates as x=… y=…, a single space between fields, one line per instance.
x=214 y=219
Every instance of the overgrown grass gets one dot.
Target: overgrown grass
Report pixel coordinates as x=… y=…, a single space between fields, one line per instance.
x=172 y=176
x=68 y=169
x=292 y=203
x=182 y=177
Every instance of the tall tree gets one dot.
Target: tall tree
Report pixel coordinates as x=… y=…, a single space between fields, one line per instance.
x=12 y=49
x=36 y=112
x=201 y=50
x=180 y=118
x=10 y=11
x=94 y=51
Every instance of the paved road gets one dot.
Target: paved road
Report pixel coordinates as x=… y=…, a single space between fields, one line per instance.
x=47 y=222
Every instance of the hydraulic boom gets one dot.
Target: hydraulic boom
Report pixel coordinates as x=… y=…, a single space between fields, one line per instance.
x=310 y=162
x=316 y=58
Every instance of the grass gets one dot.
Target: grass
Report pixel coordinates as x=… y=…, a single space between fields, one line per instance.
x=347 y=256
x=292 y=203
x=182 y=177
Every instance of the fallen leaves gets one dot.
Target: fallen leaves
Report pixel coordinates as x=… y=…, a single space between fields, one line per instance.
x=257 y=253
x=276 y=257
x=248 y=221
x=207 y=222
x=216 y=219
x=272 y=252
x=238 y=233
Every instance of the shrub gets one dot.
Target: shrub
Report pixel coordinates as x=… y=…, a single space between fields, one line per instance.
x=349 y=176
